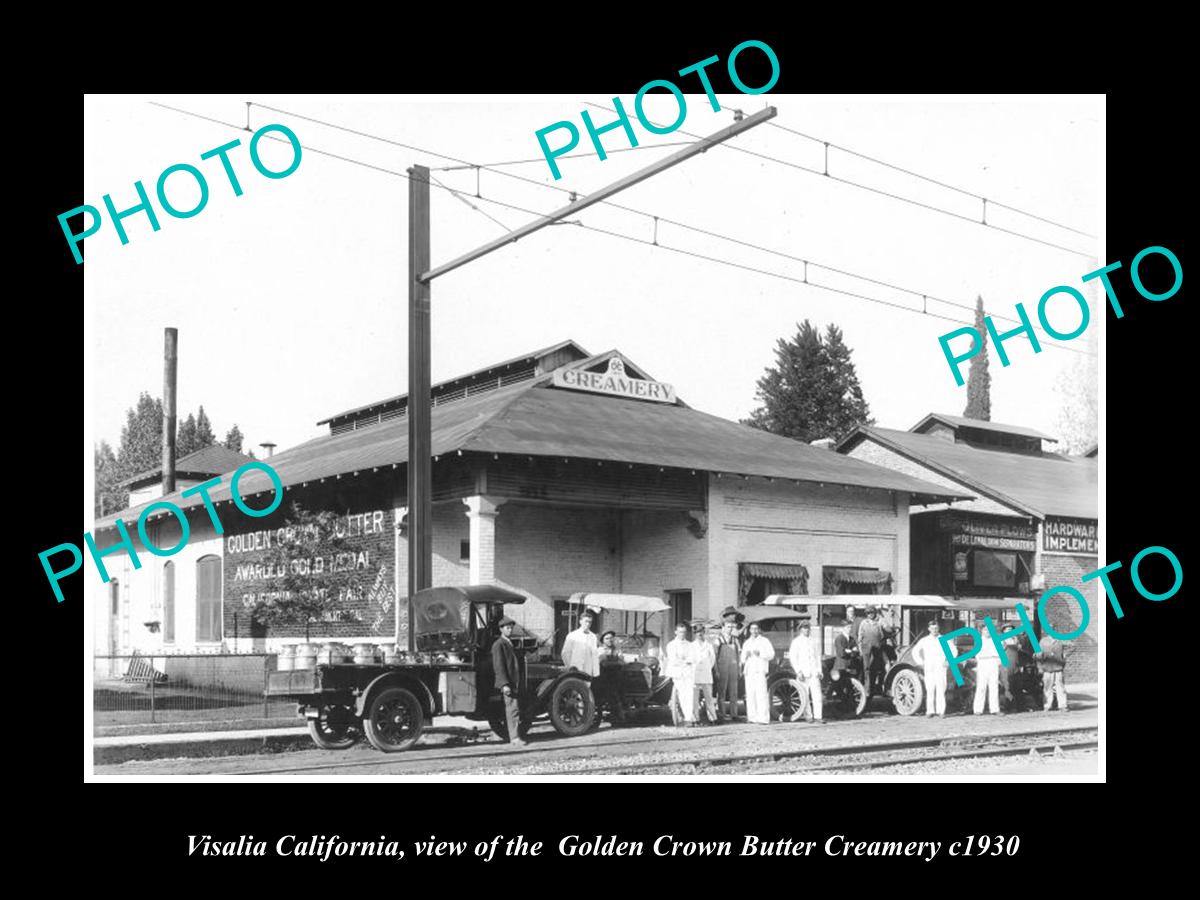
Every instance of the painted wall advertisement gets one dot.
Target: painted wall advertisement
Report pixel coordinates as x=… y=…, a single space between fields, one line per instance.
x=349 y=565
x=1070 y=536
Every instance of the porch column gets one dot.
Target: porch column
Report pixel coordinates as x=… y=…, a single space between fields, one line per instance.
x=482 y=511
x=900 y=574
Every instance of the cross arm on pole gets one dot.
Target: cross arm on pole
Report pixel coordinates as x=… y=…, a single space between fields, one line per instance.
x=603 y=193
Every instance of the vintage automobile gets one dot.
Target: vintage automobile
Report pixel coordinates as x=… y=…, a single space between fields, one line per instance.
x=906 y=617
x=637 y=682
x=449 y=672
x=788 y=695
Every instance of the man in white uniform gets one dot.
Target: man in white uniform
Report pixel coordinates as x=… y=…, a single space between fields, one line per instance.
x=580 y=649
x=681 y=669
x=706 y=660
x=806 y=662
x=757 y=654
x=928 y=653
x=987 y=677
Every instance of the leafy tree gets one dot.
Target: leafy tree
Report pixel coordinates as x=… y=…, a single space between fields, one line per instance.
x=109 y=496
x=813 y=391
x=141 y=438
x=234 y=438
x=303 y=595
x=204 y=431
x=979 y=382
x=1078 y=417
x=185 y=436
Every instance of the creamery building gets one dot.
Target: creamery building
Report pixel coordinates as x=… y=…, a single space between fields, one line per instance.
x=556 y=472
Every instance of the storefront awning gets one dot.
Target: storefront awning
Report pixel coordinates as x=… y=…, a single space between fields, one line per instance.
x=774 y=570
x=859 y=576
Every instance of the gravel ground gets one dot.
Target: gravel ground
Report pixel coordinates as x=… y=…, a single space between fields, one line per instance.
x=549 y=753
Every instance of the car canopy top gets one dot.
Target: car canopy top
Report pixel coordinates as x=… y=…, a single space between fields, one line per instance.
x=445 y=609
x=760 y=613
x=929 y=601
x=619 y=602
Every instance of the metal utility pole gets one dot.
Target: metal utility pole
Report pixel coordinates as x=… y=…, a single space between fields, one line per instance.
x=420 y=465
x=170 y=367
x=420 y=468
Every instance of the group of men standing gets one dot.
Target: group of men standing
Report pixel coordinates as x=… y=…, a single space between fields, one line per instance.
x=705 y=673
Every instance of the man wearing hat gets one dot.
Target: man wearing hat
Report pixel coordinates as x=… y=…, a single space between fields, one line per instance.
x=870 y=644
x=806 y=662
x=508 y=680
x=728 y=653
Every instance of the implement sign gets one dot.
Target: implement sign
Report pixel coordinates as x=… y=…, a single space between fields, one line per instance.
x=1070 y=536
x=614 y=381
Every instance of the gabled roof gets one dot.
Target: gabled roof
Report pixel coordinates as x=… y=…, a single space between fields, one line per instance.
x=533 y=418
x=204 y=463
x=525 y=358
x=1037 y=484
x=957 y=422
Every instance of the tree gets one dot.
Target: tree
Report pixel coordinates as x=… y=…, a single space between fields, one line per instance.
x=141 y=438
x=234 y=438
x=1078 y=417
x=813 y=390
x=109 y=496
x=204 y=431
x=185 y=436
x=306 y=590
x=979 y=382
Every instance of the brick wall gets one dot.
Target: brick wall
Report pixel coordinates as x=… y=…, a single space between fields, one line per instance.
x=1064 y=614
x=546 y=551
x=806 y=524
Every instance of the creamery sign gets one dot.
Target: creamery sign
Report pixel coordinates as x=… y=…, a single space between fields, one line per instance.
x=615 y=381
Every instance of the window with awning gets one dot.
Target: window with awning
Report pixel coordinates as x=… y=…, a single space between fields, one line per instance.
x=757 y=581
x=855 y=580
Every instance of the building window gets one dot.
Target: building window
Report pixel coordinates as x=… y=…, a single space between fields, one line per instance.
x=994 y=568
x=169 y=603
x=681 y=609
x=464 y=551
x=757 y=581
x=855 y=580
x=208 y=599
x=115 y=594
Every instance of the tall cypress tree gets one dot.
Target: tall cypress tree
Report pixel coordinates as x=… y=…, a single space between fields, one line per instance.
x=979 y=382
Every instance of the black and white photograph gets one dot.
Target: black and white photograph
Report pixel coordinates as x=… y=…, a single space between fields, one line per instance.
x=691 y=434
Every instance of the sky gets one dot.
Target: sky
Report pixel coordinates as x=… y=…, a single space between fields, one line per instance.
x=291 y=300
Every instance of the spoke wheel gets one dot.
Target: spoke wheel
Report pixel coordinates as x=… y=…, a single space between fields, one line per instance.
x=335 y=728
x=572 y=707
x=908 y=692
x=789 y=700
x=394 y=720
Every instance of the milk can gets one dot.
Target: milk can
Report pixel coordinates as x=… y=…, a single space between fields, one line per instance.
x=393 y=654
x=334 y=654
x=306 y=656
x=365 y=654
x=286 y=660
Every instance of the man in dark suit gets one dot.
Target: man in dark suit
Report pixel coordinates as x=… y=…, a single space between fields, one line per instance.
x=508 y=680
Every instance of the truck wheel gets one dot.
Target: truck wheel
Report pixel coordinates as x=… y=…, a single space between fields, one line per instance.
x=789 y=700
x=908 y=692
x=572 y=707
x=857 y=697
x=335 y=728
x=393 y=720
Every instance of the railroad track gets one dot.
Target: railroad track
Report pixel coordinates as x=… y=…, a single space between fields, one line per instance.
x=856 y=756
x=864 y=758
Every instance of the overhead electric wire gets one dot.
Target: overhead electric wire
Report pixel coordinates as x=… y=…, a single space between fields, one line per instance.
x=542 y=159
x=654 y=243
x=629 y=209
x=866 y=187
x=943 y=184
x=455 y=193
